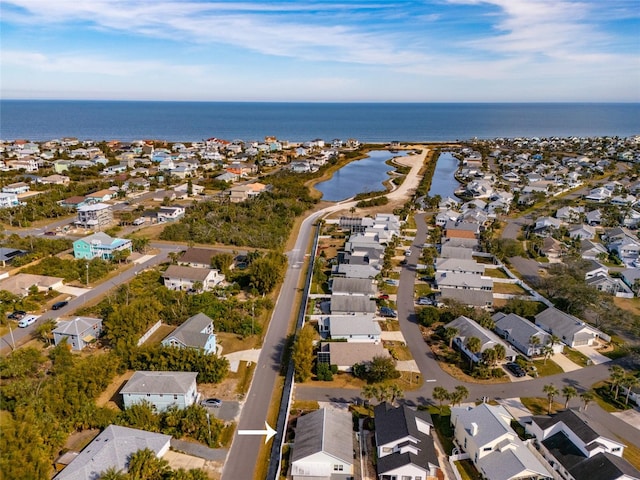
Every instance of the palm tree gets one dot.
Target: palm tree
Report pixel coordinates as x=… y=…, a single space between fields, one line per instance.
x=551 y=391
x=395 y=392
x=368 y=392
x=534 y=342
x=547 y=351
x=616 y=377
x=441 y=394
x=629 y=382
x=474 y=344
x=112 y=473
x=501 y=352
x=449 y=334
x=459 y=395
x=587 y=397
x=568 y=393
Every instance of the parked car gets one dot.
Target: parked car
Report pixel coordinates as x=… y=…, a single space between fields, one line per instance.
x=391 y=281
x=407 y=253
x=426 y=301
x=50 y=234
x=516 y=369
x=211 y=402
x=59 y=305
x=388 y=312
x=384 y=296
x=27 y=320
x=17 y=315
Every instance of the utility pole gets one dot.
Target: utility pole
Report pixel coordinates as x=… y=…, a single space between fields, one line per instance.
x=87 y=265
x=13 y=342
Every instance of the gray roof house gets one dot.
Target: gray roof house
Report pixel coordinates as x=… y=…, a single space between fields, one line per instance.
x=484 y=432
x=355 y=271
x=468 y=328
x=112 y=448
x=353 y=286
x=519 y=331
x=323 y=446
x=456 y=265
x=78 y=332
x=161 y=389
x=577 y=449
x=352 y=328
x=571 y=330
x=475 y=290
x=195 y=332
x=405 y=444
x=348 y=304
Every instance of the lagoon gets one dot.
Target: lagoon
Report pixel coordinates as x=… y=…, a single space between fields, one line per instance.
x=444 y=182
x=360 y=176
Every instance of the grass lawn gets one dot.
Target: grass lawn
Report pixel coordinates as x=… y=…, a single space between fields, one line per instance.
x=576 y=357
x=422 y=289
x=550 y=368
x=495 y=273
x=389 y=325
x=539 y=405
x=632 y=453
x=467 y=470
x=630 y=304
x=508 y=288
x=606 y=399
x=398 y=350
x=442 y=424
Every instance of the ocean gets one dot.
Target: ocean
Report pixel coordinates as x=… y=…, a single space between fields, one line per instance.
x=39 y=120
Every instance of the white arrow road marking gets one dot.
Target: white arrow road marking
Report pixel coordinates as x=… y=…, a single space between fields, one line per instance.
x=269 y=432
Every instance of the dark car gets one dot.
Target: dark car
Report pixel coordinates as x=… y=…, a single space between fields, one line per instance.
x=211 y=402
x=50 y=234
x=17 y=315
x=516 y=369
x=388 y=312
x=59 y=305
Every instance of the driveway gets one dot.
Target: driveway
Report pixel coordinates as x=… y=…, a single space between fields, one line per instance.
x=596 y=357
x=632 y=417
x=565 y=364
x=75 y=291
x=244 y=355
x=393 y=336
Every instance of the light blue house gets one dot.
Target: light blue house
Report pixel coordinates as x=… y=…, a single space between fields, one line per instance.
x=195 y=332
x=99 y=245
x=161 y=389
x=78 y=333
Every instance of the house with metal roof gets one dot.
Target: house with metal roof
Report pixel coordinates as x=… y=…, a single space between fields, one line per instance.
x=323 y=446
x=78 y=333
x=99 y=245
x=405 y=444
x=576 y=448
x=485 y=434
x=196 y=332
x=161 y=389
x=113 y=448
x=520 y=333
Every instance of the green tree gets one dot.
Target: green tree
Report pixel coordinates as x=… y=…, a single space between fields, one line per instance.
x=144 y=465
x=551 y=391
x=459 y=394
x=587 y=397
x=381 y=369
x=441 y=395
x=427 y=316
x=568 y=392
x=222 y=262
x=616 y=377
x=140 y=244
x=474 y=344
x=394 y=392
x=112 y=473
x=369 y=391
x=501 y=352
x=449 y=334
x=302 y=354
x=629 y=382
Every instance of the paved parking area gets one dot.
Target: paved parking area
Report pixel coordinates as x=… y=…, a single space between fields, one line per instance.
x=229 y=411
x=632 y=417
x=393 y=336
x=180 y=460
x=564 y=363
x=244 y=355
x=596 y=357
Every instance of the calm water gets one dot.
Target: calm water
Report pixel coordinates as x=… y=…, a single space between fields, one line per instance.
x=368 y=122
x=444 y=183
x=364 y=175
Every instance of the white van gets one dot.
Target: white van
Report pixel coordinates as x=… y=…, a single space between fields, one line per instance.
x=139 y=221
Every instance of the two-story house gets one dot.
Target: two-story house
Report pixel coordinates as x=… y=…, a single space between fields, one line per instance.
x=161 y=389
x=196 y=332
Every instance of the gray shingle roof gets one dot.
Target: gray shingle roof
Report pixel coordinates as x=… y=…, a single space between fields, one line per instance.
x=362 y=286
x=143 y=382
x=352 y=304
x=190 y=332
x=325 y=430
x=77 y=326
x=112 y=448
x=188 y=273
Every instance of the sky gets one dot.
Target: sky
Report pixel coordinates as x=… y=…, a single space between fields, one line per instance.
x=321 y=51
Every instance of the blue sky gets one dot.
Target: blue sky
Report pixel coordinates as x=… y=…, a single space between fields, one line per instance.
x=378 y=51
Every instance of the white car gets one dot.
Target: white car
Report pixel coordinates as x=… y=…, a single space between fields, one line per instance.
x=27 y=320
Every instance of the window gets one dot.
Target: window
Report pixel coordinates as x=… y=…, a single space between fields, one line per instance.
x=175 y=397
x=338 y=468
x=387 y=449
x=486 y=449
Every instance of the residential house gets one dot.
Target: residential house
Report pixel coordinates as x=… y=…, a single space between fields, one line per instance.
x=8 y=254
x=8 y=200
x=241 y=193
x=98 y=216
x=355 y=328
x=161 y=389
x=350 y=304
x=170 y=214
x=523 y=334
x=113 y=448
x=467 y=329
x=577 y=449
x=195 y=332
x=599 y=194
x=611 y=285
x=198 y=257
x=545 y=225
x=571 y=330
x=78 y=332
x=352 y=286
x=100 y=196
x=191 y=279
x=590 y=250
x=485 y=434
x=16 y=188
x=344 y=355
x=475 y=290
x=456 y=265
x=631 y=276
x=583 y=232
x=323 y=446
x=55 y=179
x=99 y=245
x=404 y=444
x=445 y=216
x=74 y=202
x=462 y=253
x=355 y=271
x=20 y=283
x=195 y=189
x=553 y=249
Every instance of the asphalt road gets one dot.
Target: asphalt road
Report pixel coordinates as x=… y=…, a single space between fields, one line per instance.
x=20 y=335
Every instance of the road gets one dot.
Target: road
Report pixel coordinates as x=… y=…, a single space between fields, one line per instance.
x=20 y=335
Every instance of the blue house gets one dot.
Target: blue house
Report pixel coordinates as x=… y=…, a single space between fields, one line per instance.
x=161 y=389
x=195 y=332
x=99 y=245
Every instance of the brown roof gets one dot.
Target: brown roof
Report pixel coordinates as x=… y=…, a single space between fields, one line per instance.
x=198 y=255
x=74 y=200
x=187 y=273
x=460 y=234
x=348 y=354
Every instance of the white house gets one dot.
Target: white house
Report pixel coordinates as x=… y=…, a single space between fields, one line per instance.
x=571 y=330
x=352 y=328
x=405 y=445
x=523 y=334
x=195 y=332
x=485 y=434
x=8 y=200
x=323 y=446
x=187 y=278
x=78 y=333
x=161 y=389
x=467 y=329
